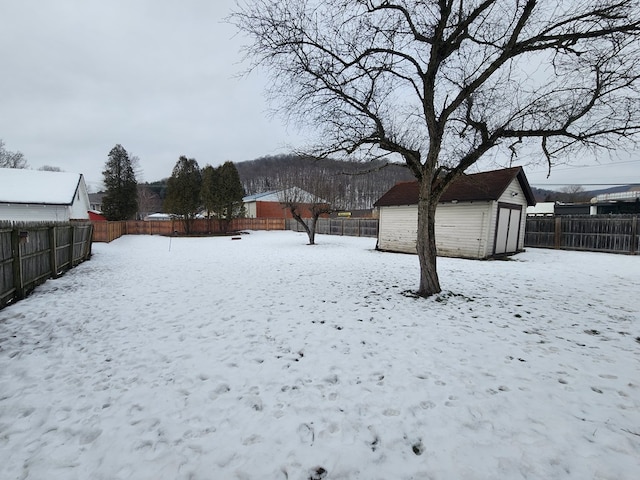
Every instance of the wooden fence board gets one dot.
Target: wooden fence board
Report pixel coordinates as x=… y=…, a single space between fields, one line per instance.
x=109 y=231
x=32 y=253
x=601 y=233
x=353 y=227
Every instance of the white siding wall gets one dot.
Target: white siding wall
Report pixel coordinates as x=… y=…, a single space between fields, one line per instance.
x=80 y=208
x=34 y=213
x=398 y=229
x=250 y=209
x=462 y=229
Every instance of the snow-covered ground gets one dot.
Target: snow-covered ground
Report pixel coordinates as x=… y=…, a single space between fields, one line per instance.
x=266 y=358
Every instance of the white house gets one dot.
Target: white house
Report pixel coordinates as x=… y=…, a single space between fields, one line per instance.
x=480 y=215
x=270 y=204
x=38 y=196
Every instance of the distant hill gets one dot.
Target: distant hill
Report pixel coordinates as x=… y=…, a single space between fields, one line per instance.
x=357 y=185
x=542 y=195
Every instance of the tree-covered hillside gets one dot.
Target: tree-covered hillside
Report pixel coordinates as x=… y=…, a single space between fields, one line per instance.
x=356 y=185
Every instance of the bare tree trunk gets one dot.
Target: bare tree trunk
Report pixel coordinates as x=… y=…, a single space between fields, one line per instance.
x=311 y=232
x=426 y=244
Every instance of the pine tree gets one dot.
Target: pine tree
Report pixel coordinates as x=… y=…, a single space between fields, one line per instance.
x=120 y=201
x=231 y=192
x=183 y=191
x=210 y=191
x=222 y=192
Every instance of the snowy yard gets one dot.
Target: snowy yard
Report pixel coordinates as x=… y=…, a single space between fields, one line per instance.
x=266 y=358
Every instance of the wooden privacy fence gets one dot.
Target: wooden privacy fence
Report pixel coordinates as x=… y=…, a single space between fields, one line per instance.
x=599 y=233
x=353 y=227
x=108 y=231
x=32 y=253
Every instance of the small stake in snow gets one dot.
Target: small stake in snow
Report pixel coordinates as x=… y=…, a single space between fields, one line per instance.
x=175 y=232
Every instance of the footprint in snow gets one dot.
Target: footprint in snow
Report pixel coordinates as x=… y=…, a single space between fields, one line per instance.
x=307 y=434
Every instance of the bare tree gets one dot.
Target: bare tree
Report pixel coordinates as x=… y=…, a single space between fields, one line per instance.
x=574 y=193
x=301 y=203
x=442 y=83
x=50 y=168
x=9 y=159
x=307 y=197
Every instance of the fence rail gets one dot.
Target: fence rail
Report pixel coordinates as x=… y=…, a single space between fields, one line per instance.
x=599 y=233
x=353 y=227
x=32 y=253
x=108 y=231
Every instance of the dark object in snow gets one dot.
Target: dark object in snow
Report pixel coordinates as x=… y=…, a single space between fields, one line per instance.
x=236 y=238
x=318 y=473
x=417 y=448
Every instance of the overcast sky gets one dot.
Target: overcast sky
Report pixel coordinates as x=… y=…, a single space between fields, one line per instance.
x=160 y=77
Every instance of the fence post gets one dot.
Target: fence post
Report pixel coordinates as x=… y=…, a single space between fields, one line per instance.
x=557 y=232
x=17 y=264
x=634 y=235
x=53 y=258
x=71 y=245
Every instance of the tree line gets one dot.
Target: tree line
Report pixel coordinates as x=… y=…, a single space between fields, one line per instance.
x=214 y=192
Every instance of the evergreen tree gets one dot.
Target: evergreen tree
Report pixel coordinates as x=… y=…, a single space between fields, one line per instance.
x=222 y=192
x=210 y=190
x=231 y=192
x=183 y=191
x=120 y=201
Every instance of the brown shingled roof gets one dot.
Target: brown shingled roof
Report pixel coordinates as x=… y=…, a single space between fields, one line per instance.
x=483 y=186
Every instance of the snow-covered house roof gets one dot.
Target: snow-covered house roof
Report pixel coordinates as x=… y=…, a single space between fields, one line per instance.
x=283 y=195
x=40 y=196
x=38 y=187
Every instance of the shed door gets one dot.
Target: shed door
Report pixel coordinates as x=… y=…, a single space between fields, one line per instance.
x=508 y=228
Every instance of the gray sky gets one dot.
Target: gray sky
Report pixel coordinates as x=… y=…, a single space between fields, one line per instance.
x=160 y=77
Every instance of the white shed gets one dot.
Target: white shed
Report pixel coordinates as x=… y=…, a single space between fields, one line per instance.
x=481 y=215
x=40 y=196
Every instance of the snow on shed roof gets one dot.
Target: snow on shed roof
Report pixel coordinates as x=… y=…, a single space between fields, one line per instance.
x=35 y=186
x=473 y=187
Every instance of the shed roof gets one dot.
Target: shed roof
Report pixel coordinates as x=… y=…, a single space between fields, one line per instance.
x=484 y=186
x=38 y=187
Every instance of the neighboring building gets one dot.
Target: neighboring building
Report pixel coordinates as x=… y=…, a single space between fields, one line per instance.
x=620 y=203
x=160 y=217
x=95 y=201
x=96 y=216
x=480 y=215
x=270 y=204
x=541 y=209
x=42 y=196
